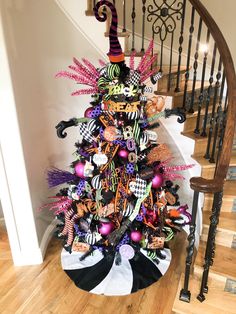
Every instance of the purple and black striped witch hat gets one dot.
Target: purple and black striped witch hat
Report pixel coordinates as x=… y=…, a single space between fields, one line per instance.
x=115 y=53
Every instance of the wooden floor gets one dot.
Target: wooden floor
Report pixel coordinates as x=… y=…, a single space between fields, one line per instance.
x=47 y=289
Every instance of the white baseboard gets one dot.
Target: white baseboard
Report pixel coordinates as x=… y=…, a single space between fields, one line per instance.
x=36 y=257
x=48 y=234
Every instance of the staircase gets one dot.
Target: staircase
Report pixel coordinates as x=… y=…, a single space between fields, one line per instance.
x=206 y=89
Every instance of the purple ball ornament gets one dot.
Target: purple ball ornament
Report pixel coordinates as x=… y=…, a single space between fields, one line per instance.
x=157 y=181
x=79 y=169
x=123 y=153
x=136 y=236
x=130 y=168
x=88 y=112
x=106 y=228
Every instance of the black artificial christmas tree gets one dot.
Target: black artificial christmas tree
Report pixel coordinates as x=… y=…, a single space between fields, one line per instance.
x=120 y=207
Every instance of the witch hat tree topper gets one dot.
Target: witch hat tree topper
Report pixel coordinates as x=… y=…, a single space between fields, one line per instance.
x=115 y=53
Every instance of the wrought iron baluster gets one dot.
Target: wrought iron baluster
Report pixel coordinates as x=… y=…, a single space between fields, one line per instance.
x=209 y=91
x=170 y=62
x=143 y=23
x=161 y=57
x=212 y=121
x=94 y=4
x=222 y=127
x=114 y=2
x=195 y=66
x=191 y=30
x=226 y=100
x=218 y=120
x=185 y=294
x=164 y=16
x=181 y=40
x=210 y=248
x=133 y=15
x=201 y=96
x=124 y=16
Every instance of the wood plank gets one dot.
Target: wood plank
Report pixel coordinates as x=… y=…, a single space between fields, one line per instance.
x=227 y=220
x=226 y=229
x=182 y=86
x=224 y=260
x=47 y=289
x=217 y=301
x=227 y=204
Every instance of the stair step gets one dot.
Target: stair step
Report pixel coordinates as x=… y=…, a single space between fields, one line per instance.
x=226 y=230
x=208 y=168
x=217 y=300
x=205 y=162
x=193 y=136
x=138 y=53
x=191 y=119
x=171 y=74
x=89 y=13
x=172 y=92
x=174 y=70
x=224 y=260
x=119 y=34
x=228 y=198
x=200 y=142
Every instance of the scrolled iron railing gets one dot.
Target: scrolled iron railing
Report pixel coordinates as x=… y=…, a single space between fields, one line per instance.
x=186 y=35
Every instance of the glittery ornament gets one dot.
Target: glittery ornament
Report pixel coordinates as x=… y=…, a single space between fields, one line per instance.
x=79 y=169
x=88 y=112
x=123 y=153
x=157 y=181
x=136 y=236
x=106 y=228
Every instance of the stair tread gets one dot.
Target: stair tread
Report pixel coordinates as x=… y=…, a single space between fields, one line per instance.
x=193 y=136
x=229 y=190
x=119 y=34
x=227 y=220
x=224 y=260
x=195 y=113
x=217 y=300
x=172 y=92
x=174 y=69
x=205 y=162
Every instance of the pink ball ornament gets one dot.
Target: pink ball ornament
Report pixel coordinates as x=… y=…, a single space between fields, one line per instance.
x=88 y=111
x=123 y=153
x=157 y=181
x=136 y=236
x=106 y=228
x=79 y=169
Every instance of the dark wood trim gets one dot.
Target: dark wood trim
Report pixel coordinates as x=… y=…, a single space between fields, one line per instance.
x=198 y=184
x=202 y=185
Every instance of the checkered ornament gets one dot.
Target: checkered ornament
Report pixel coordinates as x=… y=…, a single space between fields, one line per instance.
x=140 y=187
x=86 y=133
x=134 y=78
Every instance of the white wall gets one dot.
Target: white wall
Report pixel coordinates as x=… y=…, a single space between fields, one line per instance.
x=1 y=212
x=224 y=14
x=40 y=40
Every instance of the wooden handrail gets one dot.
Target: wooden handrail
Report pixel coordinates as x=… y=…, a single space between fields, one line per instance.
x=200 y=184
